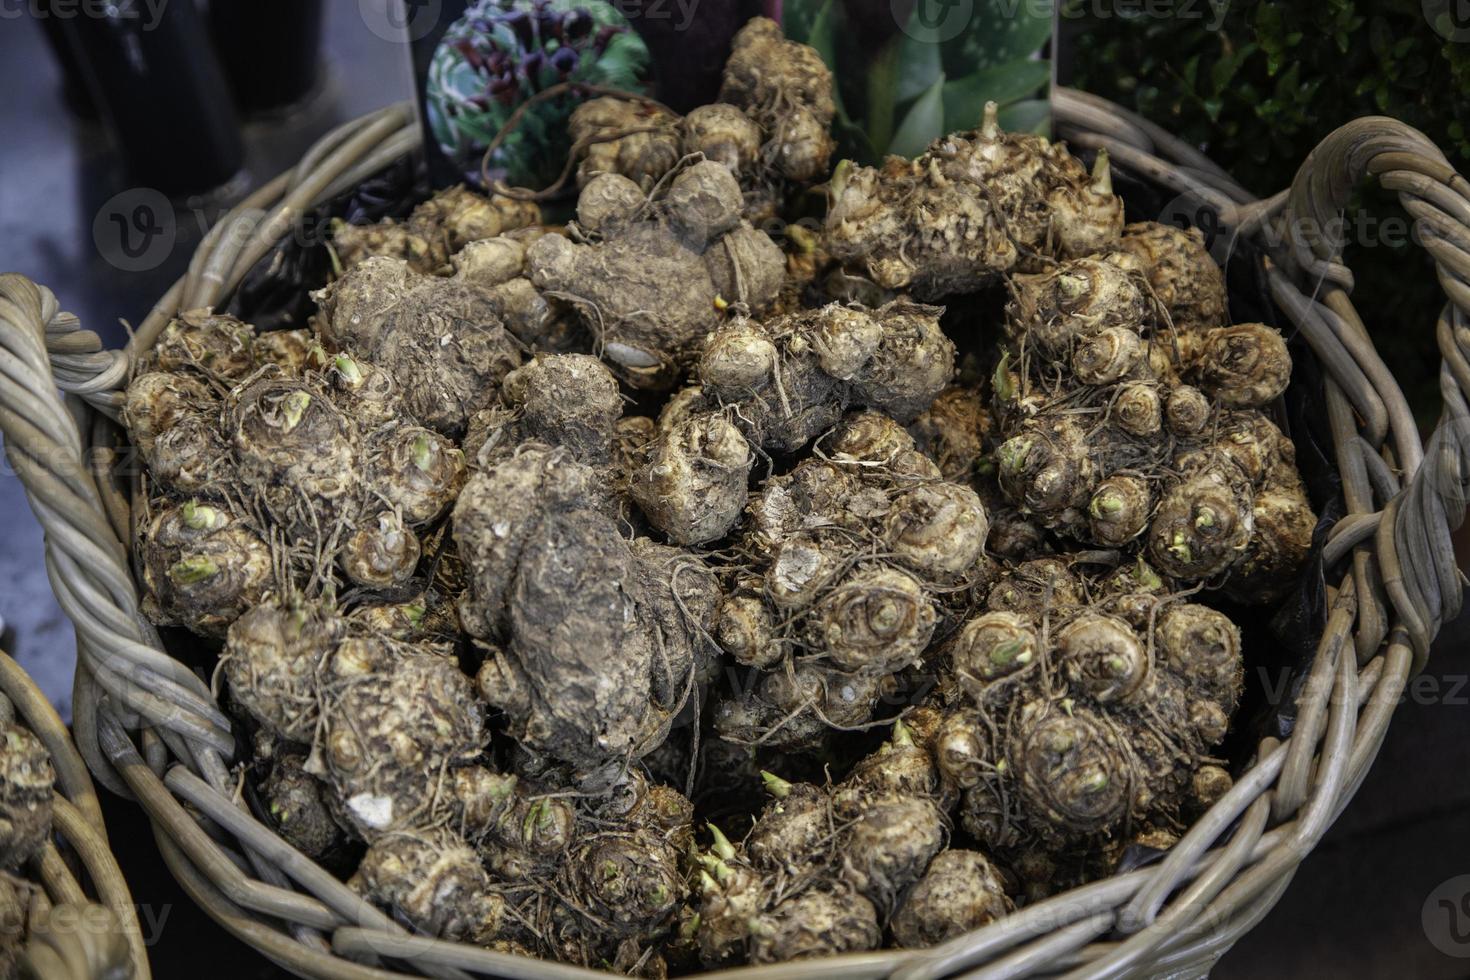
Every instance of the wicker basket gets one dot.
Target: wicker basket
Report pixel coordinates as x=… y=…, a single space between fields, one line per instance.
x=151 y=728
x=72 y=936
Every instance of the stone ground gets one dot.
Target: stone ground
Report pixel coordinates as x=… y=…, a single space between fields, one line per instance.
x=1376 y=899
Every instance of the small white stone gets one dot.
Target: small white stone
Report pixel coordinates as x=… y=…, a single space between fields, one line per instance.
x=373 y=811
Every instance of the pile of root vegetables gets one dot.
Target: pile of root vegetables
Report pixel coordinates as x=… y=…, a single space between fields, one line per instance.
x=678 y=588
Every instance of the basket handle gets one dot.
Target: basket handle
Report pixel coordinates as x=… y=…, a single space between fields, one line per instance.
x=85 y=561
x=1413 y=532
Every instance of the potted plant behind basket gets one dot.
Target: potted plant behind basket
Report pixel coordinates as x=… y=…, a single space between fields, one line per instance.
x=911 y=72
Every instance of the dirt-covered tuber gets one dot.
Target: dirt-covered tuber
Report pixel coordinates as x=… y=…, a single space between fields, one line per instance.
x=787 y=90
x=203 y=565
x=961 y=891
x=971 y=209
x=1124 y=431
x=436 y=230
x=776 y=386
x=434 y=881
x=297 y=805
x=442 y=340
x=598 y=639
x=1081 y=717
x=27 y=782
x=657 y=274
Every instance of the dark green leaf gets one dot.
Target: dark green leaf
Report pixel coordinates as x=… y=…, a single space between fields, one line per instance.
x=923 y=124
x=823 y=40
x=823 y=34
x=797 y=18
x=1268 y=23
x=919 y=62
x=997 y=33
x=1288 y=84
x=882 y=72
x=1191 y=71
x=1028 y=116
x=1227 y=66
x=1379 y=40
x=965 y=98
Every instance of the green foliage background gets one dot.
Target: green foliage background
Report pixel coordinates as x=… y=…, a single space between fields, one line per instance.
x=1258 y=93
x=900 y=89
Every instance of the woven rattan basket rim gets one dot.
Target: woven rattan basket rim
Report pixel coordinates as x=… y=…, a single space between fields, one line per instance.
x=1389 y=559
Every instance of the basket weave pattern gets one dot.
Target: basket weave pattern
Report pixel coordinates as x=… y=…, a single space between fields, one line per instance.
x=148 y=727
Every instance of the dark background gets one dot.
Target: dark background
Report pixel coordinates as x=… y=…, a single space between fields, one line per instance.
x=1259 y=83
x=1355 y=909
